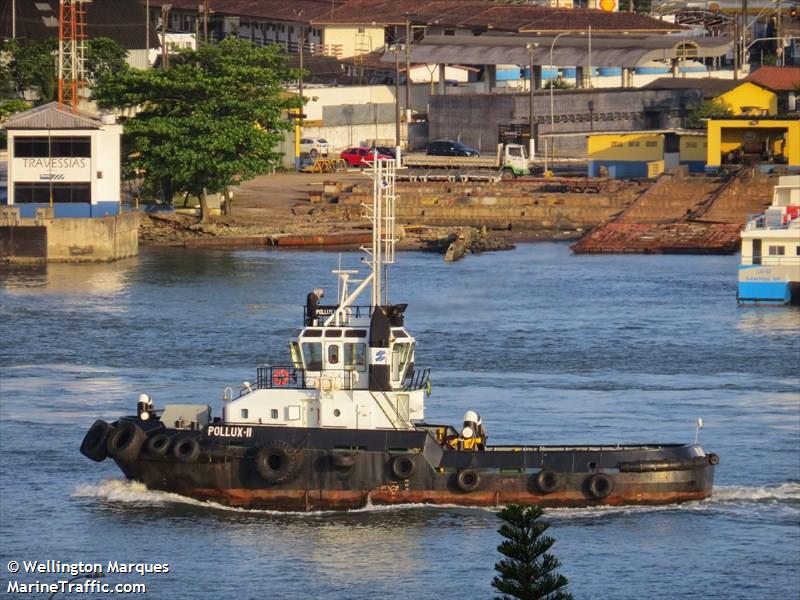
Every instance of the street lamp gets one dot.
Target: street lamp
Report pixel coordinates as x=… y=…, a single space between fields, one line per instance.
x=533 y=140
x=552 y=111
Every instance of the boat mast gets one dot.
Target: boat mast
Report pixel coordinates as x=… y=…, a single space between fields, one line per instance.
x=381 y=216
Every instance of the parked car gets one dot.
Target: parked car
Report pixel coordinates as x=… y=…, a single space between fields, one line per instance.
x=314 y=147
x=450 y=148
x=385 y=150
x=361 y=157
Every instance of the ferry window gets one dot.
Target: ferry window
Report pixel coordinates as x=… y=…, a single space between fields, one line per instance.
x=355 y=356
x=355 y=333
x=333 y=354
x=245 y=413
x=777 y=251
x=797 y=251
x=399 y=333
x=297 y=359
x=333 y=333
x=312 y=353
x=273 y=413
x=401 y=353
x=312 y=333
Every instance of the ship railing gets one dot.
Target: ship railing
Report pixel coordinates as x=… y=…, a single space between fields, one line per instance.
x=295 y=378
x=769 y=260
x=322 y=312
x=771 y=220
x=418 y=381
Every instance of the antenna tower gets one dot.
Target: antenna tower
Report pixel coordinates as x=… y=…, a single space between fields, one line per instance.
x=71 y=51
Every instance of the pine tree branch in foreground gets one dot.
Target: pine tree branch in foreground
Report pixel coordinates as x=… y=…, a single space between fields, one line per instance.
x=527 y=572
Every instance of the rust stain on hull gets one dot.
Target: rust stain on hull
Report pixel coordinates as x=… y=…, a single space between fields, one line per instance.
x=303 y=500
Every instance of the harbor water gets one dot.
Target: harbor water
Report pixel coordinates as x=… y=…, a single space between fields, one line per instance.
x=549 y=347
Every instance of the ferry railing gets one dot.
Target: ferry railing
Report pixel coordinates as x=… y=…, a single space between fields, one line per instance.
x=768 y=260
x=769 y=220
x=290 y=377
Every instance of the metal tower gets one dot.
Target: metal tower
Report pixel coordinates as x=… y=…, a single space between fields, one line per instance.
x=71 y=51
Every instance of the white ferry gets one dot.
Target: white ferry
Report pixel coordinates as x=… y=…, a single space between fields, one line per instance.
x=770 y=269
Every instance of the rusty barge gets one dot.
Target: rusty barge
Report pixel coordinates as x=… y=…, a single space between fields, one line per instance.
x=342 y=426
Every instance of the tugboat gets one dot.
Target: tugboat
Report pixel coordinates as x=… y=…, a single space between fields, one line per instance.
x=341 y=425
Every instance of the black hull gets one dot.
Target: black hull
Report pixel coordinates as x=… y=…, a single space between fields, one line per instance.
x=298 y=469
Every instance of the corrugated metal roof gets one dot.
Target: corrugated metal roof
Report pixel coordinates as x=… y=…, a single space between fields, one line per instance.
x=51 y=116
x=628 y=51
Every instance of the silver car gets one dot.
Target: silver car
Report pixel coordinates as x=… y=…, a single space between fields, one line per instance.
x=314 y=147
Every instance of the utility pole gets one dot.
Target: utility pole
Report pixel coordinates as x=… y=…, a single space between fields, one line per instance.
x=533 y=137
x=396 y=92
x=408 y=69
x=165 y=8
x=205 y=21
x=13 y=19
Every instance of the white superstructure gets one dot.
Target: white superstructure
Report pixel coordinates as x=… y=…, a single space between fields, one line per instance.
x=770 y=269
x=352 y=366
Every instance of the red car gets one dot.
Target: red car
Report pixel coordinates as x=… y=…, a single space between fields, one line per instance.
x=362 y=157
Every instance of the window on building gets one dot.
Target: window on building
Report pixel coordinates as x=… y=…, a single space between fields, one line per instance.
x=651 y=144
x=312 y=353
x=633 y=144
x=355 y=356
x=777 y=251
x=39 y=193
x=616 y=144
x=449 y=31
x=43 y=146
x=797 y=251
x=361 y=30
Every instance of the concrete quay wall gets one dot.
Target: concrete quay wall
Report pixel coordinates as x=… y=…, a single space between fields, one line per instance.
x=46 y=239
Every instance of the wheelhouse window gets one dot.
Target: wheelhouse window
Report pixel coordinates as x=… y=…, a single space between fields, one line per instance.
x=294 y=351
x=401 y=356
x=312 y=355
x=355 y=356
x=333 y=355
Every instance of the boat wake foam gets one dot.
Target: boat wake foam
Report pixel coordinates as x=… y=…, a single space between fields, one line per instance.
x=118 y=491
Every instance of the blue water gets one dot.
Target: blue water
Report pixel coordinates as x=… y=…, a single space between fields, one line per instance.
x=548 y=347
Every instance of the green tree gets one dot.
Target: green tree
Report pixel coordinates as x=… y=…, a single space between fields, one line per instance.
x=31 y=66
x=210 y=121
x=528 y=571
x=709 y=109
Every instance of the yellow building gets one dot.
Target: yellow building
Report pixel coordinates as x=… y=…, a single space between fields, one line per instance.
x=743 y=140
x=750 y=99
x=644 y=153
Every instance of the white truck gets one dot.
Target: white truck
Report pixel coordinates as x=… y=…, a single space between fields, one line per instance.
x=510 y=158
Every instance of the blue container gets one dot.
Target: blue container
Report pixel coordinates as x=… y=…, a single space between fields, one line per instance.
x=510 y=74
x=609 y=71
x=652 y=70
x=569 y=73
x=551 y=73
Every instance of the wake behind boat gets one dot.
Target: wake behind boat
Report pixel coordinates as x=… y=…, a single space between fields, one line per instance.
x=341 y=425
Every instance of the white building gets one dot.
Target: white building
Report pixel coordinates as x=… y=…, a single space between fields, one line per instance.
x=64 y=159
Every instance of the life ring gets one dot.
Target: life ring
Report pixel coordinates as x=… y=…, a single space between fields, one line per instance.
x=403 y=467
x=548 y=481
x=158 y=444
x=125 y=442
x=93 y=445
x=186 y=449
x=600 y=485
x=280 y=377
x=468 y=480
x=276 y=462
